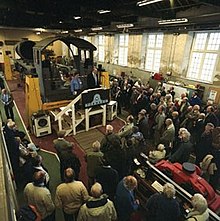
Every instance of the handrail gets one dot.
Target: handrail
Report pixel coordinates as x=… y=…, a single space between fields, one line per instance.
x=68 y=106
x=179 y=189
x=9 y=203
x=73 y=102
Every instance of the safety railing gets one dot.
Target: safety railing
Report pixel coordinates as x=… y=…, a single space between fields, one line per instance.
x=8 y=197
x=83 y=116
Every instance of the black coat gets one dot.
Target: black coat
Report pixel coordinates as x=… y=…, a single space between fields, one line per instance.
x=182 y=153
x=161 y=208
x=91 y=83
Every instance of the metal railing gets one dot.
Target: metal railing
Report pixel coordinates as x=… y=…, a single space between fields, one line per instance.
x=8 y=197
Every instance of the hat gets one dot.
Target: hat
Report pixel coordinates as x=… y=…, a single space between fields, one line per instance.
x=143 y=112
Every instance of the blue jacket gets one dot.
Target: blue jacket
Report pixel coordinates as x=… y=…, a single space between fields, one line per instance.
x=125 y=202
x=75 y=84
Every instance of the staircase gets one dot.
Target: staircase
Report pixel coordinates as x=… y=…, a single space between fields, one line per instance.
x=67 y=118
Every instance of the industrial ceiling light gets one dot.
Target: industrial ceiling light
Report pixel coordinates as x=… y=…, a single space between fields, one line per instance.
x=147 y=2
x=40 y=30
x=172 y=21
x=97 y=29
x=76 y=17
x=78 y=30
x=102 y=11
x=125 y=25
x=64 y=32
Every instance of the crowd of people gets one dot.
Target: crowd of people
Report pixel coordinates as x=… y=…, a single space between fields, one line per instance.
x=159 y=124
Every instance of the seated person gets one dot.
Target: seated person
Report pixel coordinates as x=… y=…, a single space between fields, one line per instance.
x=158 y=154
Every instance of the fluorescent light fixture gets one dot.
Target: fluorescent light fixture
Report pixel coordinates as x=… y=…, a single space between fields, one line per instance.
x=40 y=29
x=78 y=30
x=147 y=2
x=102 y=11
x=125 y=26
x=97 y=29
x=92 y=33
x=64 y=32
x=173 y=21
x=76 y=17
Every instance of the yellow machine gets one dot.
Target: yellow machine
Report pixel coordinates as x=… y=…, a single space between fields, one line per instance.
x=104 y=79
x=7 y=66
x=33 y=100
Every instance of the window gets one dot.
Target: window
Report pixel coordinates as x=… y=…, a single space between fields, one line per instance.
x=123 y=50
x=101 y=48
x=153 y=52
x=204 y=56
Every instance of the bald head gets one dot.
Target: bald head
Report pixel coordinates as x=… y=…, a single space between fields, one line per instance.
x=96 y=190
x=109 y=128
x=69 y=175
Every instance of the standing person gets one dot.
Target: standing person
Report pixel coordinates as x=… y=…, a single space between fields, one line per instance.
x=92 y=79
x=68 y=159
x=142 y=123
x=108 y=178
x=163 y=206
x=184 y=149
x=126 y=130
x=7 y=100
x=126 y=203
x=39 y=196
x=60 y=144
x=12 y=147
x=98 y=207
x=94 y=161
x=76 y=84
x=168 y=135
x=70 y=195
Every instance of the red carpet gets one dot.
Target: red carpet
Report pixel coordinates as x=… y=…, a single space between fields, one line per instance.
x=46 y=142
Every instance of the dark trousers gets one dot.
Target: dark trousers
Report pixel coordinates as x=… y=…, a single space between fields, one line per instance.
x=50 y=217
x=69 y=217
x=9 y=112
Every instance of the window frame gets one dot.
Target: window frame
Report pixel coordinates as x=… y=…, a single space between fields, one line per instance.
x=123 y=48
x=155 y=50
x=204 y=52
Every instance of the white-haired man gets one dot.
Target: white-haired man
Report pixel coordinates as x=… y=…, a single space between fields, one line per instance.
x=98 y=207
x=109 y=138
x=184 y=149
x=163 y=206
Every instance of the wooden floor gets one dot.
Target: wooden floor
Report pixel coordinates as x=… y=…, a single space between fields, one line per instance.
x=85 y=139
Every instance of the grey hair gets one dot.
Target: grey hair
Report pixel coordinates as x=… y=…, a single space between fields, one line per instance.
x=186 y=136
x=96 y=146
x=199 y=203
x=169 y=190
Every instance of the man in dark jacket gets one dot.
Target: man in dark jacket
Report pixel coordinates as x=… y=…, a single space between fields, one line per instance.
x=163 y=206
x=108 y=178
x=142 y=123
x=92 y=79
x=184 y=149
x=126 y=203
